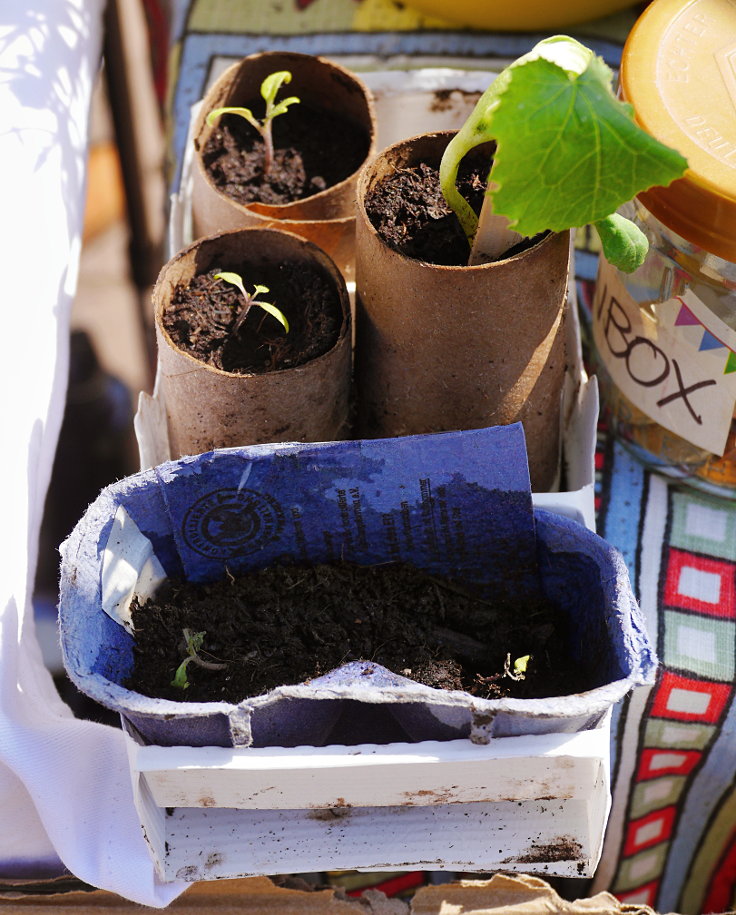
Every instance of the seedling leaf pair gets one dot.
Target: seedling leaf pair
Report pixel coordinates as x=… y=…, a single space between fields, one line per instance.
x=519 y=669
x=568 y=153
x=193 y=642
x=269 y=89
x=250 y=299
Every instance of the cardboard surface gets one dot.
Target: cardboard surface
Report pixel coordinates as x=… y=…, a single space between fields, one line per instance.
x=501 y=895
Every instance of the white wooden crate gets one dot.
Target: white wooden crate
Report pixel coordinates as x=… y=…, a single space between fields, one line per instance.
x=533 y=804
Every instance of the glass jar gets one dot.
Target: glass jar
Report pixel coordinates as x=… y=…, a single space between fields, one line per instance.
x=666 y=335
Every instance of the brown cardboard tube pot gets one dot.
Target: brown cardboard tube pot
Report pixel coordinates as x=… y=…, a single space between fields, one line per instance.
x=444 y=347
x=323 y=141
x=257 y=385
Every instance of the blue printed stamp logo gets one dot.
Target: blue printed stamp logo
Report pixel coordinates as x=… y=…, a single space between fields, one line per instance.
x=232 y=522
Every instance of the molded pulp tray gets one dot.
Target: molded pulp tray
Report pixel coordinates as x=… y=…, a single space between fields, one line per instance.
x=455 y=503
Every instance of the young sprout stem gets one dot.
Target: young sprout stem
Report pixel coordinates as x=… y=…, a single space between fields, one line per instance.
x=193 y=643
x=269 y=88
x=250 y=300
x=267 y=137
x=518 y=671
x=489 y=235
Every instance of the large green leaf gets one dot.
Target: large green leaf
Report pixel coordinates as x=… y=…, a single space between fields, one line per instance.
x=568 y=152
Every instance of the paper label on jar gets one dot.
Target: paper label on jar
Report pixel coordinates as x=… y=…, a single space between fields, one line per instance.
x=675 y=361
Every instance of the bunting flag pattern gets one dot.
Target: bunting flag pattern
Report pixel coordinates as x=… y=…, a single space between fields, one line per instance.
x=685 y=317
x=707 y=339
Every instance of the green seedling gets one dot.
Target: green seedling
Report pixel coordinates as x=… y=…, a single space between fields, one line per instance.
x=269 y=88
x=518 y=671
x=568 y=153
x=193 y=643
x=250 y=300
x=520 y=666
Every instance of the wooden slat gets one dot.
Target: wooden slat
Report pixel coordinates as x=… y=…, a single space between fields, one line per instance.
x=556 y=838
x=424 y=774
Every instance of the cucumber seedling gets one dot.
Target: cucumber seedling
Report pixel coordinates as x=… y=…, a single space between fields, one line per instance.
x=568 y=153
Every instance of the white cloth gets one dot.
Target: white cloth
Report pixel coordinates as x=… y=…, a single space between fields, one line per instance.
x=64 y=785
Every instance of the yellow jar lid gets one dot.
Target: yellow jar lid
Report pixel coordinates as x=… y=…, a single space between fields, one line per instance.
x=678 y=70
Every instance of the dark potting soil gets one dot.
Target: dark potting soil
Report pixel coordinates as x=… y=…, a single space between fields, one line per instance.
x=313 y=150
x=289 y=624
x=201 y=318
x=409 y=211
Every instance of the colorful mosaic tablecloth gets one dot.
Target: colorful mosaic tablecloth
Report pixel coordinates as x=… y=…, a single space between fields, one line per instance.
x=671 y=838
x=671 y=841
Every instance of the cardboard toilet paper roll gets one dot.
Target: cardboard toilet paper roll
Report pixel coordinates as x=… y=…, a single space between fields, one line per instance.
x=326 y=218
x=208 y=408
x=441 y=348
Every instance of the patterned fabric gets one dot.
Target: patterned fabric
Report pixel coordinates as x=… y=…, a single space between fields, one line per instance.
x=671 y=838
x=671 y=841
